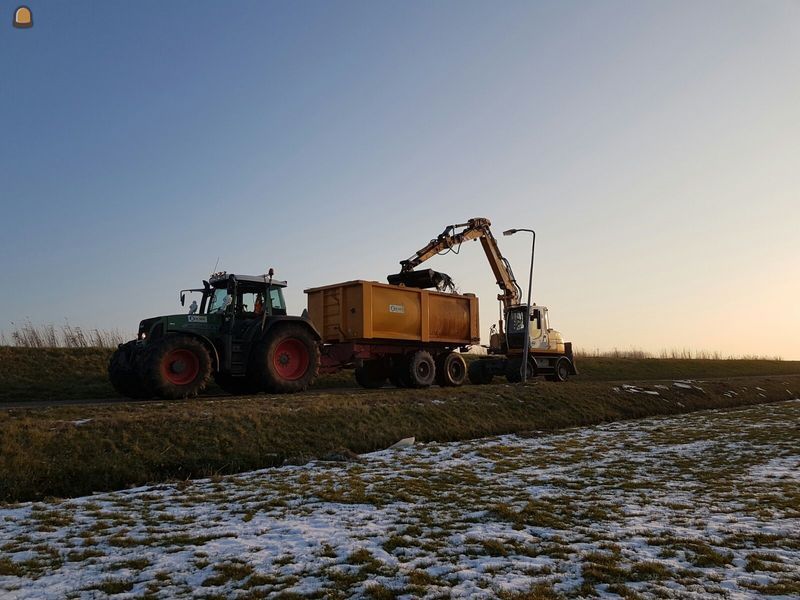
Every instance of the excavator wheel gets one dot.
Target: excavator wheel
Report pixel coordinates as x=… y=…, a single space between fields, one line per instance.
x=514 y=369
x=421 y=369
x=562 y=370
x=478 y=373
x=371 y=375
x=451 y=370
x=176 y=366
x=123 y=371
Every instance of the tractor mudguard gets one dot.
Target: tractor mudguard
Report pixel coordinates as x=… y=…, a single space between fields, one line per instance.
x=273 y=321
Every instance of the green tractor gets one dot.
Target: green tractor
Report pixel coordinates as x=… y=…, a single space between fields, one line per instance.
x=239 y=334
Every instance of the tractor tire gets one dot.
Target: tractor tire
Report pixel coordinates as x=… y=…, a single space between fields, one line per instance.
x=371 y=375
x=398 y=372
x=451 y=370
x=478 y=373
x=236 y=386
x=286 y=360
x=176 y=366
x=123 y=372
x=514 y=368
x=421 y=369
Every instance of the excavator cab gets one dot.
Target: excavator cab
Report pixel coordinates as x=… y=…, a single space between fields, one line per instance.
x=542 y=338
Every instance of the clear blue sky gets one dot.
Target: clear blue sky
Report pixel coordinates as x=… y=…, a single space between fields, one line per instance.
x=654 y=146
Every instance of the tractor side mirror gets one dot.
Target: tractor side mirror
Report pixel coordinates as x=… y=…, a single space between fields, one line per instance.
x=183 y=299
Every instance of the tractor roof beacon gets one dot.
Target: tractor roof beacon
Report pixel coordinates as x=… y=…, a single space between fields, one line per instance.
x=240 y=334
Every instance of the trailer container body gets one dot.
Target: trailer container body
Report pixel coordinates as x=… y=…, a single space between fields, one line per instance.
x=367 y=311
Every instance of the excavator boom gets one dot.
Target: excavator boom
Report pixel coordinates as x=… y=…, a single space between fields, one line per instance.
x=451 y=239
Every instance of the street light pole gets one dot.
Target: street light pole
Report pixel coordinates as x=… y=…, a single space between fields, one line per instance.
x=527 y=342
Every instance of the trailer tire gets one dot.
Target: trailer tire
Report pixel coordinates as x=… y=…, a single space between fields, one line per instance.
x=176 y=366
x=236 y=386
x=451 y=370
x=514 y=368
x=286 y=360
x=371 y=374
x=123 y=372
x=478 y=373
x=421 y=369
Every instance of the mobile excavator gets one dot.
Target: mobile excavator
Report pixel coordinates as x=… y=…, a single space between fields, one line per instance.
x=548 y=354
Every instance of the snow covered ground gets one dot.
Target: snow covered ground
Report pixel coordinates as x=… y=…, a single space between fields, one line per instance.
x=690 y=506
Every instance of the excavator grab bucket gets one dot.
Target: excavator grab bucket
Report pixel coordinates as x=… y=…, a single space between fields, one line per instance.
x=422 y=279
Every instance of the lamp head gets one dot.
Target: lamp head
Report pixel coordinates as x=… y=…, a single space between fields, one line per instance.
x=509 y=232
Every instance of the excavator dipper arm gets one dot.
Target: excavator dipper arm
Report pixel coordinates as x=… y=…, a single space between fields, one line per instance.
x=474 y=229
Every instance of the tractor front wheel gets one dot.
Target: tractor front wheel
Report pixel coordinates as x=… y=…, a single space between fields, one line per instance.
x=176 y=366
x=287 y=360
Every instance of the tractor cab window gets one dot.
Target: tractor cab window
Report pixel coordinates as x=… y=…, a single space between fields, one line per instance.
x=218 y=304
x=276 y=300
x=252 y=304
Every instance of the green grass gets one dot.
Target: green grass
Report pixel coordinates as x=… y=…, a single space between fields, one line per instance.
x=80 y=373
x=43 y=452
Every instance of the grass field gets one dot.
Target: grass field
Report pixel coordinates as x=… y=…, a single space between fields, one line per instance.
x=74 y=450
x=80 y=373
x=691 y=506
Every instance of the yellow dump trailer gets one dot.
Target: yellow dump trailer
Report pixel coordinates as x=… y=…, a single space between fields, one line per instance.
x=407 y=334
x=367 y=310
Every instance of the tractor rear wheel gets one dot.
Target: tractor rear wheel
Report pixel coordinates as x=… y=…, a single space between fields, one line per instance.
x=123 y=371
x=421 y=369
x=451 y=370
x=287 y=360
x=371 y=375
x=236 y=386
x=478 y=372
x=176 y=366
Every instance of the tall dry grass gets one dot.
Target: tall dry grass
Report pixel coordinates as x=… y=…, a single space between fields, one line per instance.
x=673 y=353
x=29 y=335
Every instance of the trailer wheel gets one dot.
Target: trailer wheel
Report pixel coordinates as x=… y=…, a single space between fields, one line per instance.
x=478 y=373
x=236 y=386
x=286 y=361
x=176 y=367
x=514 y=368
x=123 y=372
x=451 y=370
x=371 y=375
x=421 y=369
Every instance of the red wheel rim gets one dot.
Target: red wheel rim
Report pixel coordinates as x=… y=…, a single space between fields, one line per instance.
x=180 y=367
x=291 y=359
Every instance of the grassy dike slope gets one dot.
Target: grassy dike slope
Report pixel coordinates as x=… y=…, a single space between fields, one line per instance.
x=74 y=450
x=71 y=374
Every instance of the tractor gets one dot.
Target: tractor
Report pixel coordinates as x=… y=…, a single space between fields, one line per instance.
x=239 y=335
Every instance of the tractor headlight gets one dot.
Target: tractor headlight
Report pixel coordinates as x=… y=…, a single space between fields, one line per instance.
x=142 y=335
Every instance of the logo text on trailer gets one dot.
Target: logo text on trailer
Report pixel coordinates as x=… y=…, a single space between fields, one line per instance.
x=397 y=308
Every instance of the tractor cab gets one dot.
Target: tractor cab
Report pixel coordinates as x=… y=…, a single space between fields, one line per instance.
x=243 y=296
